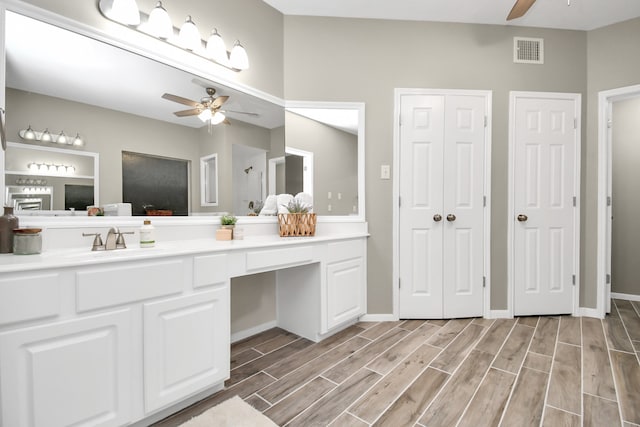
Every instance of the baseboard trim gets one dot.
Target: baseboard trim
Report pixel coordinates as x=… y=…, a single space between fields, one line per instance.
x=589 y=312
x=378 y=318
x=240 y=335
x=628 y=297
x=500 y=314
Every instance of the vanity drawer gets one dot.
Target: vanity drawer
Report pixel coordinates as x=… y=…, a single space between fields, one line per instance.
x=274 y=258
x=122 y=283
x=344 y=250
x=29 y=297
x=210 y=270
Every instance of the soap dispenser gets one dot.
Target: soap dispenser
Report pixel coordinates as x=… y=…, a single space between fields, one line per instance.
x=147 y=235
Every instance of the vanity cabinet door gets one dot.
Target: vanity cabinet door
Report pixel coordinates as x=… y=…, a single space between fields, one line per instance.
x=346 y=290
x=186 y=346
x=76 y=372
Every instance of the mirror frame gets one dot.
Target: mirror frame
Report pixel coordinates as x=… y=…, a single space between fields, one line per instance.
x=157 y=50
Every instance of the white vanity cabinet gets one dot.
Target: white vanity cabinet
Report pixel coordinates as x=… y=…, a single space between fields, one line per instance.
x=72 y=372
x=346 y=285
x=110 y=344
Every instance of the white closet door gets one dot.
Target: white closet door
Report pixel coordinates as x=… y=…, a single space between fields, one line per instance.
x=544 y=188
x=421 y=195
x=463 y=205
x=441 y=242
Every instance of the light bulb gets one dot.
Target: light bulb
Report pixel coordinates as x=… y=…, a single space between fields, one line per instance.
x=126 y=12
x=33 y=167
x=239 y=58
x=62 y=138
x=160 y=23
x=205 y=115
x=52 y=168
x=189 y=36
x=78 y=140
x=43 y=168
x=71 y=169
x=29 y=133
x=61 y=169
x=218 y=118
x=216 y=48
x=46 y=136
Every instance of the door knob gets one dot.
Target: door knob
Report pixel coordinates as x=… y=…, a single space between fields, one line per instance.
x=522 y=218
x=437 y=217
x=451 y=217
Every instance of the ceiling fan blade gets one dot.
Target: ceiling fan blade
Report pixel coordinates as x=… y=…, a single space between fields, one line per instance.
x=520 y=8
x=185 y=113
x=217 y=103
x=226 y=122
x=181 y=100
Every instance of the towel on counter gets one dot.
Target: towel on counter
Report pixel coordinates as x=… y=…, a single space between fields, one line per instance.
x=283 y=202
x=306 y=199
x=270 y=206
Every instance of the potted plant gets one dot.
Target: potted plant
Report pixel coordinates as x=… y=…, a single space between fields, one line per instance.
x=227 y=223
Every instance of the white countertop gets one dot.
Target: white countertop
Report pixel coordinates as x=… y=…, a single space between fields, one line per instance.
x=79 y=257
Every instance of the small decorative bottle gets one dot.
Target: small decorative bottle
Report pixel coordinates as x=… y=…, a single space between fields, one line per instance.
x=147 y=235
x=8 y=222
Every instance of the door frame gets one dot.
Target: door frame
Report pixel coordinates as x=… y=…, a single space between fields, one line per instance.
x=577 y=99
x=606 y=99
x=398 y=93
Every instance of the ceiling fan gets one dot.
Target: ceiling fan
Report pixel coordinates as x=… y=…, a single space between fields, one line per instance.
x=208 y=109
x=520 y=8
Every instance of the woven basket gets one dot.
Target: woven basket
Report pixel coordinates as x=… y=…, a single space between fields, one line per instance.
x=297 y=224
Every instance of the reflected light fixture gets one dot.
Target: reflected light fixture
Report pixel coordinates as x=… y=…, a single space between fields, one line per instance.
x=29 y=133
x=62 y=138
x=159 y=22
x=239 y=58
x=189 y=36
x=46 y=136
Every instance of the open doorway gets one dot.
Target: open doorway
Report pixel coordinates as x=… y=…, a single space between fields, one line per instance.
x=613 y=106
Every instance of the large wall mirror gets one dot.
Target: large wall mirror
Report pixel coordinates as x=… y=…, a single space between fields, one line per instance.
x=58 y=80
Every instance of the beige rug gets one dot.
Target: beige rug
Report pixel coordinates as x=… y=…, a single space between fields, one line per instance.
x=233 y=412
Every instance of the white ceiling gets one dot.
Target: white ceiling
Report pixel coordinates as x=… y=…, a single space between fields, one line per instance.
x=580 y=15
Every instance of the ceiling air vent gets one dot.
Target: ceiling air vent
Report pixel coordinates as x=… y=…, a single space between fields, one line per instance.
x=528 y=50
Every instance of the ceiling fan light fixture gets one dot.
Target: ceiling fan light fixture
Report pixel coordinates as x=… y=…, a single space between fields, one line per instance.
x=205 y=115
x=239 y=58
x=160 y=23
x=217 y=118
x=189 y=36
x=125 y=12
x=216 y=48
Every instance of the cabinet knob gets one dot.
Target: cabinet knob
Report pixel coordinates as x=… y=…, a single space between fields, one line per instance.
x=437 y=217
x=451 y=217
x=522 y=218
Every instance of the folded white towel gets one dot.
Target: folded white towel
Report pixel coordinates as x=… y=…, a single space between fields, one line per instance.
x=306 y=199
x=283 y=202
x=270 y=206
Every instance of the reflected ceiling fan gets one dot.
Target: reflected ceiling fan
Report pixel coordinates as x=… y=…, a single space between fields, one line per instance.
x=520 y=8
x=208 y=109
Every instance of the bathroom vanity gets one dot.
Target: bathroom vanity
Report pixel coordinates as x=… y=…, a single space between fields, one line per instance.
x=118 y=337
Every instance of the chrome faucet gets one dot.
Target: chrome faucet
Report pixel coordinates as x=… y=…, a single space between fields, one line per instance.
x=115 y=240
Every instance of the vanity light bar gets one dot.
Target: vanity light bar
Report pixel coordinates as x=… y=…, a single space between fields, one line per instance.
x=54 y=138
x=50 y=168
x=157 y=24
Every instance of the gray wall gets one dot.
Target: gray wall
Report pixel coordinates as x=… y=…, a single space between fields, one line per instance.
x=625 y=242
x=364 y=60
x=613 y=61
x=335 y=163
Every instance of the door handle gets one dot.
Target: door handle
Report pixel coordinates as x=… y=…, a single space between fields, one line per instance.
x=437 y=217
x=451 y=217
x=522 y=218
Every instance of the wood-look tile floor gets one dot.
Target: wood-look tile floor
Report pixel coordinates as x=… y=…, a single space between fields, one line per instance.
x=528 y=371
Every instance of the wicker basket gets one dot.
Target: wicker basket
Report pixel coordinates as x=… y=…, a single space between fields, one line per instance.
x=297 y=224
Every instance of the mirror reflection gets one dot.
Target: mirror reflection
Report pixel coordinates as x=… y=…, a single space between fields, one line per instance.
x=119 y=102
